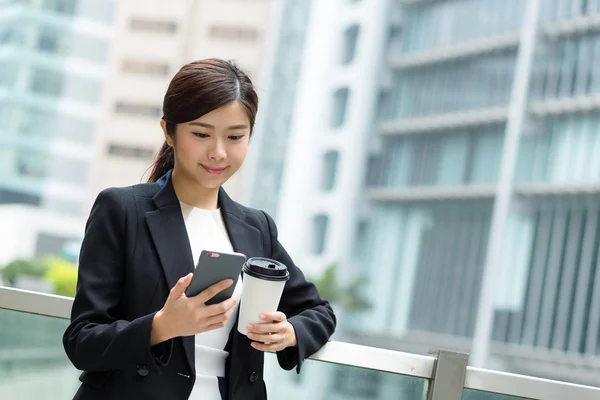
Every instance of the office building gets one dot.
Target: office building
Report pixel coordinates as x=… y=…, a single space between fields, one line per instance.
x=153 y=40
x=409 y=119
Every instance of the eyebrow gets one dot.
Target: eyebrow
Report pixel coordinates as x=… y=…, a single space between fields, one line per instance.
x=209 y=126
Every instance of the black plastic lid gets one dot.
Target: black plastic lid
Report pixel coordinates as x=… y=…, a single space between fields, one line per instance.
x=267 y=269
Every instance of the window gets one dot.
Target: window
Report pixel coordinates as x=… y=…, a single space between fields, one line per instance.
x=142 y=110
x=49 y=40
x=46 y=82
x=119 y=150
x=147 y=25
x=233 y=33
x=320 y=227
x=60 y=6
x=145 y=67
x=330 y=162
x=31 y=165
x=350 y=41
x=340 y=104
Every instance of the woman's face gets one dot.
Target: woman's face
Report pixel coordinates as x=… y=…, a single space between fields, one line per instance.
x=210 y=149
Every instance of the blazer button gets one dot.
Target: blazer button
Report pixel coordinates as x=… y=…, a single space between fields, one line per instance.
x=143 y=370
x=253 y=377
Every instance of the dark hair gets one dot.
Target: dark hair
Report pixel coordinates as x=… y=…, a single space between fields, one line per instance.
x=197 y=89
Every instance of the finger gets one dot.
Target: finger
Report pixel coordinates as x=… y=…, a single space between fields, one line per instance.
x=212 y=327
x=222 y=307
x=266 y=328
x=182 y=284
x=213 y=290
x=276 y=316
x=216 y=319
x=272 y=347
x=272 y=339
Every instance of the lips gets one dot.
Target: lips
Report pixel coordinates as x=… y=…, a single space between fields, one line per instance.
x=214 y=171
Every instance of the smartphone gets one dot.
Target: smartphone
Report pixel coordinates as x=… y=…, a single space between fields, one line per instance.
x=214 y=267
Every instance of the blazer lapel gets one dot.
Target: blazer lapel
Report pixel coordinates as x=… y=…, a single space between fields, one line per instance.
x=245 y=238
x=167 y=228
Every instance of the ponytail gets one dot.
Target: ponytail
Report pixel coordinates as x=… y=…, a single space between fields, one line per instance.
x=164 y=162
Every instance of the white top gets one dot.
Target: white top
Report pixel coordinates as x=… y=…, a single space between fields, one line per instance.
x=206 y=231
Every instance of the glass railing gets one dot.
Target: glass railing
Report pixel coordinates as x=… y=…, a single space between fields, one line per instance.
x=32 y=360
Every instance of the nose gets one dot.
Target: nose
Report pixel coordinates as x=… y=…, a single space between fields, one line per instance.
x=217 y=151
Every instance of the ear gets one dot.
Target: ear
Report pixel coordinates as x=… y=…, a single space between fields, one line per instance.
x=168 y=138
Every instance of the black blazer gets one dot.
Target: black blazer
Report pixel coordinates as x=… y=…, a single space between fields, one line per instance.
x=134 y=250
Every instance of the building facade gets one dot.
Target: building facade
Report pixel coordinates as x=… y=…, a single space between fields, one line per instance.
x=448 y=151
x=53 y=55
x=153 y=40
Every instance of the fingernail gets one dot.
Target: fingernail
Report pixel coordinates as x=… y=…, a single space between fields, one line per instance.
x=263 y=316
x=250 y=327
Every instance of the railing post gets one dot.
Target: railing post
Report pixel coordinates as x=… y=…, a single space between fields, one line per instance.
x=448 y=378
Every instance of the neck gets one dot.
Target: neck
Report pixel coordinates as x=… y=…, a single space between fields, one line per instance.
x=190 y=192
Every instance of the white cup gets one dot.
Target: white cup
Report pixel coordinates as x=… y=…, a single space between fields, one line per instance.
x=263 y=283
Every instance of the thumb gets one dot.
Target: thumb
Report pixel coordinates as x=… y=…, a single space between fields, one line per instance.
x=182 y=284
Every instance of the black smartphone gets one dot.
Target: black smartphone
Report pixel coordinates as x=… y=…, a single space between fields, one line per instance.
x=214 y=267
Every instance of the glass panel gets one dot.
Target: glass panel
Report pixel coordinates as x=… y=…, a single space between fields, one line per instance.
x=431 y=25
x=350 y=42
x=330 y=163
x=320 y=225
x=469 y=394
x=320 y=380
x=32 y=359
x=455 y=158
x=466 y=84
x=340 y=104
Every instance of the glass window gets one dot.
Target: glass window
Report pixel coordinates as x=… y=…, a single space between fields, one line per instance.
x=330 y=166
x=142 y=110
x=153 y=26
x=340 y=104
x=145 y=67
x=49 y=40
x=233 y=32
x=350 y=43
x=320 y=227
x=31 y=165
x=60 y=6
x=46 y=82
x=119 y=150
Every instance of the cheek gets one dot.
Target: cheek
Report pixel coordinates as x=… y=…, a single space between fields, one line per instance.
x=238 y=154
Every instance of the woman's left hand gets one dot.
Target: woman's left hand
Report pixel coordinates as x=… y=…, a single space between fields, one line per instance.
x=273 y=333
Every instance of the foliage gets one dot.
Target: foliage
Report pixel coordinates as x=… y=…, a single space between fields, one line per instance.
x=63 y=274
x=21 y=266
x=60 y=272
x=348 y=297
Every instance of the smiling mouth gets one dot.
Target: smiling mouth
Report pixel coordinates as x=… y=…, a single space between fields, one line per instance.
x=213 y=171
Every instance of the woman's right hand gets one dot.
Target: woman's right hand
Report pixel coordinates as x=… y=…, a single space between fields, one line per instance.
x=187 y=316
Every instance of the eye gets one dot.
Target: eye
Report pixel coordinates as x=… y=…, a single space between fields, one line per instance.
x=201 y=135
x=237 y=137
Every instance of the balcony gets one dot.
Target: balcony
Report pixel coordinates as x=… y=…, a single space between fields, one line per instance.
x=31 y=356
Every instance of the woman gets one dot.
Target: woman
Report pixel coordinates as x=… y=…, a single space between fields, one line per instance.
x=133 y=331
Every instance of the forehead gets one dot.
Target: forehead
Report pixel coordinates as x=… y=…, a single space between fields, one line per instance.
x=225 y=116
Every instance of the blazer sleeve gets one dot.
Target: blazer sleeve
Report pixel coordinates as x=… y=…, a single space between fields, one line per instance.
x=311 y=316
x=96 y=340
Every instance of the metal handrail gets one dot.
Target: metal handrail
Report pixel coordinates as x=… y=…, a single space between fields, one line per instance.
x=353 y=355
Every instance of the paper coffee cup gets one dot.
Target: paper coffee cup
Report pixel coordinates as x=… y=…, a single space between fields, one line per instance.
x=262 y=287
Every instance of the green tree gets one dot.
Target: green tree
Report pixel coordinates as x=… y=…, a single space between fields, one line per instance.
x=62 y=274
x=348 y=296
x=21 y=266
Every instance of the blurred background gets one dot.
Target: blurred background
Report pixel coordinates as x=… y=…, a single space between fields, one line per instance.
x=433 y=165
